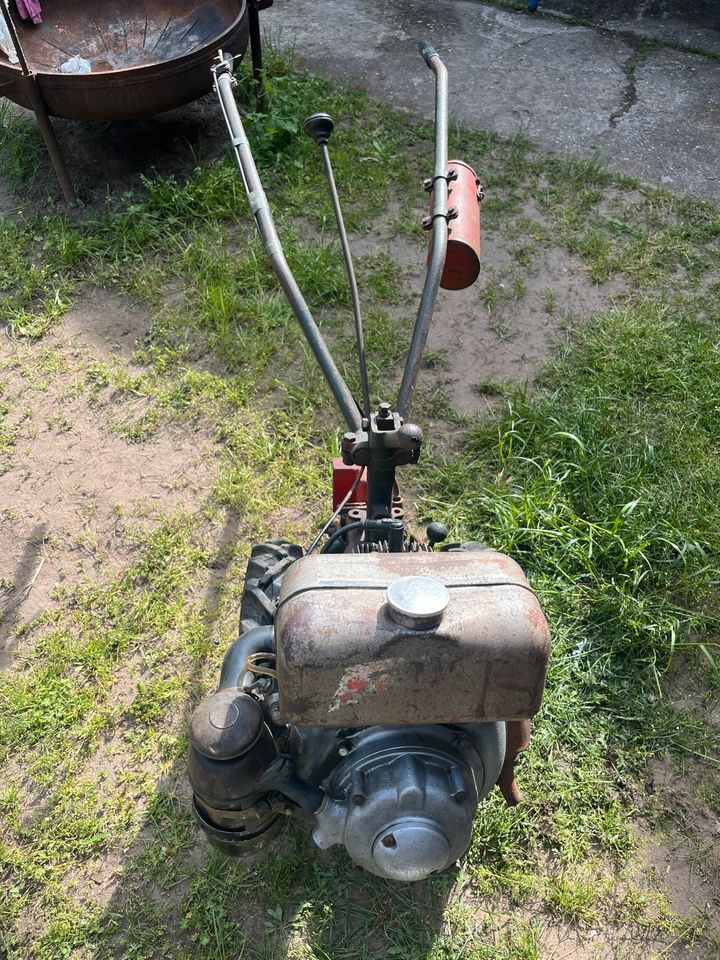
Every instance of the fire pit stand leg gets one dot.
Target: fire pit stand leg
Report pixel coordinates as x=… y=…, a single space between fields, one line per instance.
x=254 y=6
x=48 y=134
x=40 y=109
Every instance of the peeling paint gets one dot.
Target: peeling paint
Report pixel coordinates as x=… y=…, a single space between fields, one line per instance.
x=363 y=679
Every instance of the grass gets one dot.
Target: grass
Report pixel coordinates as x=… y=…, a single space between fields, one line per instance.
x=602 y=483
x=608 y=490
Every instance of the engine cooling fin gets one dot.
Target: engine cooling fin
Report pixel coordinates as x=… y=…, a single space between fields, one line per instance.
x=413 y=546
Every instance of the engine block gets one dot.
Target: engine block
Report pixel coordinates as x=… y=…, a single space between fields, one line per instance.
x=385 y=698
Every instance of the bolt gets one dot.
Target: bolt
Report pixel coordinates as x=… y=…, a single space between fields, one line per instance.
x=389 y=840
x=384 y=411
x=344 y=749
x=460 y=797
x=359 y=800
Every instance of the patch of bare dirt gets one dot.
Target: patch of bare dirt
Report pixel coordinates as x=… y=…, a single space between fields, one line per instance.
x=610 y=936
x=74 y=495
x=106 y=323
x=680 y=875
x=561 y=941
x=679 y=834
x=506 y=333
x=684 y=852
x=511 y=340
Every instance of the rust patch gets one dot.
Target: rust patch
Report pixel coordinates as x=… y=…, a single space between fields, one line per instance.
x=355 y=685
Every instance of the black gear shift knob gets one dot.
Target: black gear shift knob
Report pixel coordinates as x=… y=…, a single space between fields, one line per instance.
x=436 y=532
x=319 y=127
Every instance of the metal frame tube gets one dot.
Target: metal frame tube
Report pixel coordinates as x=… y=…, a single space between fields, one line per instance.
x=46 y=129
x=253 y=8
x=12 y=30
x=439 y=230
x=269 y=236
x=255 y=40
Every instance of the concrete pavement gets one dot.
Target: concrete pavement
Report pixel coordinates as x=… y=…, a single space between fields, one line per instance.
x=579 y=77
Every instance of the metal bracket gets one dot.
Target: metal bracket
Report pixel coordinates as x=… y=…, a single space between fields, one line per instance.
x=430 y=181
x=427 y=222
x=225 y=63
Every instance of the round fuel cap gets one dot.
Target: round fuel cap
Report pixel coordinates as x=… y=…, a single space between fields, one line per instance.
x=417 y=602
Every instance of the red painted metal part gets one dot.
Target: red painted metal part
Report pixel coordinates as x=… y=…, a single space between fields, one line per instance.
x=146 y=57
x=462 y=264
x=344 y=477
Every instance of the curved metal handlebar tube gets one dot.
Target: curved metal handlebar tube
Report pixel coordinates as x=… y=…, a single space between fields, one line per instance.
x=269 y=236
x=439 y=230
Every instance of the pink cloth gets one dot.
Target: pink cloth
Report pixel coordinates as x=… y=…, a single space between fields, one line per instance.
x=29 y=10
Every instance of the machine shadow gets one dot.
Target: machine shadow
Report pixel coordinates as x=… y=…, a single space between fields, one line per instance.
x=23 y=578
x=199 y=902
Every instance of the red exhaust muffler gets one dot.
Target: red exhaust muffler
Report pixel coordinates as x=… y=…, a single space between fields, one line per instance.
x=462 y=264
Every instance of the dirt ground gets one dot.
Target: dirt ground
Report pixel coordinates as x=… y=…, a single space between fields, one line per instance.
x=75 y=495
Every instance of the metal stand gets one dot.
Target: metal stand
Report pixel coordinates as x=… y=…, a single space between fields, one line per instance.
x=48 y=134
x=34 y=92
x=41 y=113
x=254 y=6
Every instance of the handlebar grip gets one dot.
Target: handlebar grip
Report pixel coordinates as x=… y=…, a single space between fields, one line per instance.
x=428 y=51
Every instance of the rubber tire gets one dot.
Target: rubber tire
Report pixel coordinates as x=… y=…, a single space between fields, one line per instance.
x=268 y=561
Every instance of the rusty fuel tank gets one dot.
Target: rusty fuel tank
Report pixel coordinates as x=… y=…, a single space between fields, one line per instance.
x=454 y=637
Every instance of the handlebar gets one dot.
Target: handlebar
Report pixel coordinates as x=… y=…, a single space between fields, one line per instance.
x=438 y=250
x=224 y=81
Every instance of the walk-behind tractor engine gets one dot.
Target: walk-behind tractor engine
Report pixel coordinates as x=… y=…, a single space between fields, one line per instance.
x=381 y=686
